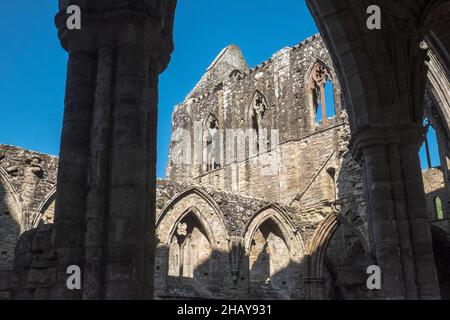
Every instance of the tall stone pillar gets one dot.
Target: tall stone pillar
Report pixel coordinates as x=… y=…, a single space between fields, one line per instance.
x=104 y=217
x=397 y=213
x=383 y=73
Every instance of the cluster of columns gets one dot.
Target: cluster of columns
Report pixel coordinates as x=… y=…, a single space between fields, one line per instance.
x=104 y=215
x=397 y=214
x=383 y=73
x=104 y=219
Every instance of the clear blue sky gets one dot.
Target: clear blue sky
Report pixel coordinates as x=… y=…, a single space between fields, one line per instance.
x=33 y=65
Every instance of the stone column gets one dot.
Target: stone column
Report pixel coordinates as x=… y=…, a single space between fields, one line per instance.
x=69 y=225
x=397 y=214
x=419 y=225
x=104 y=219
x=98 y=195
x=131 y=218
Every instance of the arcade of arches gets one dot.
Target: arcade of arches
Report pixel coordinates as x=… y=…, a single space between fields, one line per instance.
x=328 y=187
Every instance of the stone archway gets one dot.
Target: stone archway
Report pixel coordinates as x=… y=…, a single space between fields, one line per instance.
x=383 y=75
x=275 y=253
x=46 y=210
x=191 y=232
x=320 y=265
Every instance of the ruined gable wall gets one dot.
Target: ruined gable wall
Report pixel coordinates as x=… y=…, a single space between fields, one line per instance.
x=283 y=81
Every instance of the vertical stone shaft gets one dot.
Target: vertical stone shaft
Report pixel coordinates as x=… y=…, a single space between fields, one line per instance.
x=398 y=221
x=401 y=218
x=132 y=178
x=382 y=226
x=73 y=163
x=427 y=150
x=98 y=196
x=324 y=106
x=420 y=233
x=104 y=220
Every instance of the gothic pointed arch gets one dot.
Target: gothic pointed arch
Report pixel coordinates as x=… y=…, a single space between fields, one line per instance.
x=321 y=85
x=319 y=244
x=192 y=194
x=316 y=266
x=46 y=210
x=280 y=218
x=275 y=253
x=192 y=241
x=190 y=247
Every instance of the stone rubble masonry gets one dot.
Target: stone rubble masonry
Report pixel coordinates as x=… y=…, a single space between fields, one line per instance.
x=27 y=188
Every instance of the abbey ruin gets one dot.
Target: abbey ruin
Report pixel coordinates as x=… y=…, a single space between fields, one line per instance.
x=285 y=180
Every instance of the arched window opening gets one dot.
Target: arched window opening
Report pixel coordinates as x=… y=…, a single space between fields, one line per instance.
x=269 y=260
x=328 y=104
x=429 y=152
x=258 y=122
x=322 y=92
x=190 y=251
x=438 y=208
x=212 y=144
x=330 y=185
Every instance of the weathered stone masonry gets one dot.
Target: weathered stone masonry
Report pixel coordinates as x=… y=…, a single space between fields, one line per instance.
x=27 y=192
x=106 y=177
x=235 y=231
x=300 y=218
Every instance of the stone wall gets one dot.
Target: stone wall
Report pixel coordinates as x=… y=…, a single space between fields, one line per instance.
x=247 y=229
x=433 y=180
x=27 y=184
x=308 y=175
x=288 y=222
x=282 y=84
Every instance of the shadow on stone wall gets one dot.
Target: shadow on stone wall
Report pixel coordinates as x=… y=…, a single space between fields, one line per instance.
x=9 y=234
x=441 y=249
x=345 y=252
x=35 y=264
x=216 y=278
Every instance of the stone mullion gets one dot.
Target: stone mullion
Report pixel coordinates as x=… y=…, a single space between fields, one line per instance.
x=324 y=106
x=382 y=222
x=130 y=206
x=420 y=233
x=97 y=206
x=73 y=163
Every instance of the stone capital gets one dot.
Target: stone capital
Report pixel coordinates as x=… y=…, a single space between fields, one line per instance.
x=380 y=136
x=144 y=24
